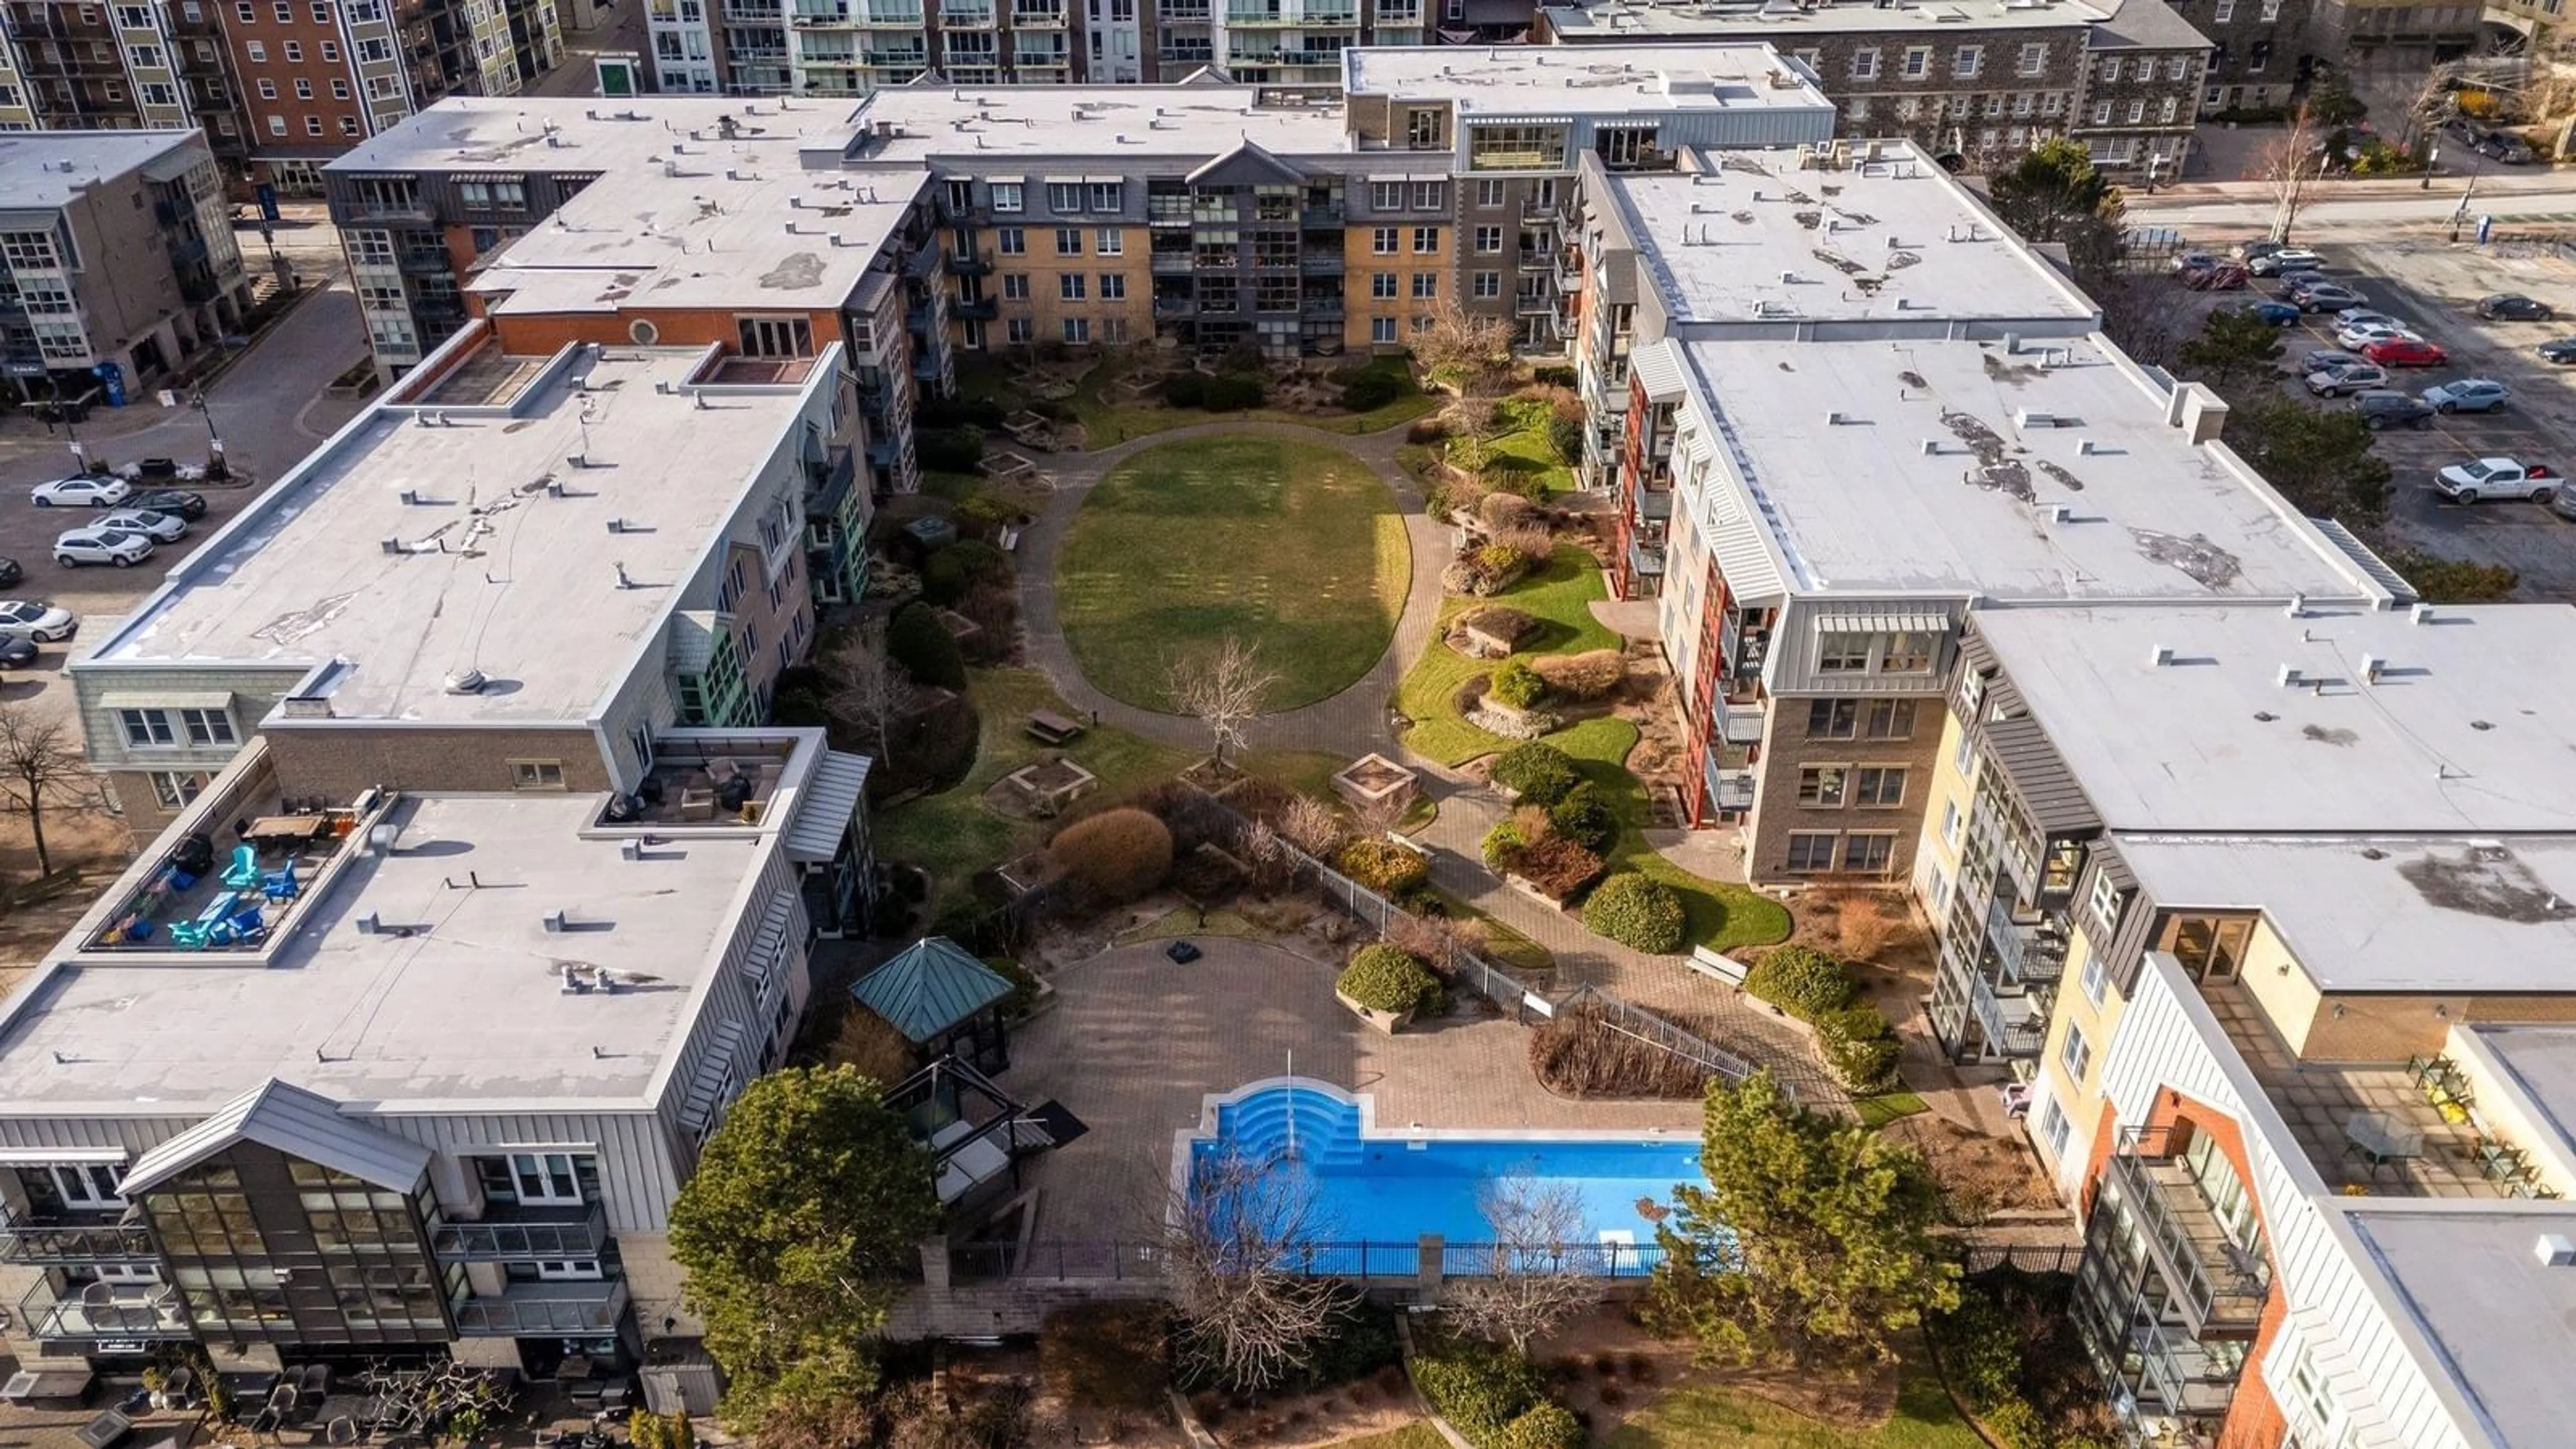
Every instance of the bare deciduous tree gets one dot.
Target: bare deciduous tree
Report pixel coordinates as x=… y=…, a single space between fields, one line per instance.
x=2287 y=165
x=868 y=689
x=1536 y=1273
x=1223 y=690
x=1232 y=1256
x=1266 y=858
x=39 y=766
x=1462 y=348
x=1310 y=825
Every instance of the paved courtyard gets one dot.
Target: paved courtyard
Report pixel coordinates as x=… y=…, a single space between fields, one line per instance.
x=1134 y=1042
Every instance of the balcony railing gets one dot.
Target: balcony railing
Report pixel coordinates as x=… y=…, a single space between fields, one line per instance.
x=104 y=1237
x=2213 y=1280
x=2183 y=1374
x=115 y=1312
x=569 y=1232
x=583 y=1310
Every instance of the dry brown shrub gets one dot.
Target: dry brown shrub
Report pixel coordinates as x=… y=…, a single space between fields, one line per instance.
x=871 y=1044
x=1526 y=539
x=1592 y=674
x=1507 y=510
x=1312 y=826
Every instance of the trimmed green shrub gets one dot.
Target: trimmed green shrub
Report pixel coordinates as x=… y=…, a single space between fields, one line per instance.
x=917 y=640
x=1801 y=980
x=1862 y=1046
x=1120 y=854
x=1024 y=987
x=1372 y=390
x=1585 y=818
x=1637 y=911
x=1479 y=1388
x=1383 y=866
x=1503 y=845
x=1186 y=389
x=1541 y=774
x=2016 y=1425
x=950 y=450
x=1233 y=392
x=1547 y=1426
x=1517 y=685
x=948 y=575
x=1382 y=978
x=1565 y=435
x=1553 y=375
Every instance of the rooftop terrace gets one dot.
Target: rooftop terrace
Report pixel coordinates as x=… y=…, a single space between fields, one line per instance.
x=424 y=972
x=912 y=125
x=1754 y=236
x=1787 y=24
x=1507 y=80
x=428 y=540
x=573 y=135
x=1967 y=468
x=2438 y=720
x=40 y=171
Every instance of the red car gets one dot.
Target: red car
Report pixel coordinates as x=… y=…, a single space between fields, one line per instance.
x=2405 y=352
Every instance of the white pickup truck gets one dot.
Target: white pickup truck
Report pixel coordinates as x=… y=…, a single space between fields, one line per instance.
x=2497 y=478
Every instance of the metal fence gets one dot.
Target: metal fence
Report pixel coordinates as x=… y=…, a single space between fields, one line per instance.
x=1117 y=1260
x=1630 y=1019
x=2028 y=1257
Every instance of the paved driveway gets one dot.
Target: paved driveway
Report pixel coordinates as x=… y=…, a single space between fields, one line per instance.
x=1134 y=1042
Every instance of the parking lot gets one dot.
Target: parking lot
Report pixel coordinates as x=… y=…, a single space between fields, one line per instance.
x=2433 y=286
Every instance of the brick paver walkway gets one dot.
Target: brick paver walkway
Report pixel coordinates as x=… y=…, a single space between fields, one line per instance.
x=1134 y=1042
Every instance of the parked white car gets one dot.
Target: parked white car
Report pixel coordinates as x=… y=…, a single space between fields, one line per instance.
x=161 y=527
x=42 y=620
x=2361 y=334
x=101 y=545
x=87 y=490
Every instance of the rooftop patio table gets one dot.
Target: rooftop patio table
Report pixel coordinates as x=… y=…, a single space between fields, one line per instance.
x=218 y=908
x=2381 y=1139
x=286 y=828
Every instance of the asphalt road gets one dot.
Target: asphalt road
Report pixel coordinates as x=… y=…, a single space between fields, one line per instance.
x=2355 y=210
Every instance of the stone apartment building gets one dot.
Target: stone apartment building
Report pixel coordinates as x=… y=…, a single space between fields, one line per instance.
x=1963 y=83
x=117 y=249
x=2258 y=50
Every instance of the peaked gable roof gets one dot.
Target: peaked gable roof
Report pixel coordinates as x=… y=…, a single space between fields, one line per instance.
x=294 y=1121
x=929 y=988
x=1249 y=162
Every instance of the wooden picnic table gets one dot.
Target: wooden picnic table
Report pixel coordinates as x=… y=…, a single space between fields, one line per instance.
x=286 y=828
x=1053 y=728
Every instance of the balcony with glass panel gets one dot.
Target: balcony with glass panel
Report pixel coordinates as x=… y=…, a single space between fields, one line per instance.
x=510 y=1231
x=110 y=1233
x=573 y=1309
x=2213 y=1279
x=105 y=1312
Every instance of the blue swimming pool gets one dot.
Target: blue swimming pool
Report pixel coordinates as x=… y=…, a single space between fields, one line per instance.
x=1395 y=1186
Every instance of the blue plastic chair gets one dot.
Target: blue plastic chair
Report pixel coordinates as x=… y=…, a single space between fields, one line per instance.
x=281 y=884
x=188 y=935
x=244 y=873
x=247 y=924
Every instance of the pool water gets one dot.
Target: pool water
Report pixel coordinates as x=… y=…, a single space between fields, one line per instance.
x=1388 y=1188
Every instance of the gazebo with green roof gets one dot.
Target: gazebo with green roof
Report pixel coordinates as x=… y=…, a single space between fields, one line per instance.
x=944 y=1001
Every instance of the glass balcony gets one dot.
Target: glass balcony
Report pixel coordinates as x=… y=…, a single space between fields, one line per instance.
x=115 y=1312
x=565 y=1232
x=115 y=1236
x=582 y=1310
x=2214 y=1282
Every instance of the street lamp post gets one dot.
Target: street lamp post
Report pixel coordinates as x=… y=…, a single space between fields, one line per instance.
x=215 y=467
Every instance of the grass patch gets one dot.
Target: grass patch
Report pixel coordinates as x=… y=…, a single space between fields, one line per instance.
x=1722 y=916
x=951 y=834
x=1886 y=1107
x=1506 y=947
x=1714 y=1417
x=1525 y=455
x=1307 y=772
x=1558 y=595
x=1411 y=1436
x=1293 y=547
x=1109 y=417
x=1184 y=921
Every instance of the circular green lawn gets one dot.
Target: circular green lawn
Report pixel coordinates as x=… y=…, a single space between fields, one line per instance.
x=1293 y=547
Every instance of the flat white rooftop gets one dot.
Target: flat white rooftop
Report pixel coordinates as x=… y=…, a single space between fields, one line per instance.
x=1937 y=466
x=1509 y=80
x=469 y=1005
x=33 y=174
x=1783 y=22
x=1069 y=123
x=2542 y=1060
x=2391 y=913
x=495 y=574
x=2471 y=726
x=2502 y=1323
x=1755 y=237
x=573 y=134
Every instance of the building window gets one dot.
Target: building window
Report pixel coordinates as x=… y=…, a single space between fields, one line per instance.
x=246 y=12
x=1068 y=241
x=1891 y=719
x=1917 y=63
x=1011 y=241
x=1832 y=719
x=1109 y=196
x=2034 y=58
x=2097 y=975
x=2166 y=109
x=2137 y=112
x=2111 y=69
x=1386 y=196
x=1381 y=329
x=1064 y=198
x=1068 y=286
x=1950 y=823
x=1811 y=851
x=1879 y=786
x=1015 y=286
x=294 y=50
x=340 y=91
x=1489 y=239
x=1869 y=853
x=1113 y=329
x=1967 y=61
x=1908 y=651
x=1430 y=195
x=256 y=50
x=2075 y=1054
x=2210 y=948
x=2180 y=67
x=207 y=726
x=1109 y=241
x=1864 y=63
x=1489 y=193
x=1426 y=240
x=1426 y=286
x=2102 y=113
x=173 y=789
x=1008 y=196
x=267 y=89
x=2054 y=1127
x=2105 y=903
x=1020 y=329
x=1382 y=286
x=147 y=728
x=2226 y=11
x=1077 y=329
x=1488 y=285
x=537 y=774
x=1382 y=241
x=1842 y=653
x=775 y=336
x=1113 y=287
x=1823 y=787
x=1423 y=130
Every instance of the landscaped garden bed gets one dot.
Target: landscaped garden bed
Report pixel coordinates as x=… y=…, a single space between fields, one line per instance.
x=1120 y=397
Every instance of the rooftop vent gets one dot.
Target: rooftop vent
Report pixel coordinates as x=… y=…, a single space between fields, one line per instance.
x=556 y=923
x=2290 y=677
x=2554 y=1250
x=2372 y=666
x=2421 y=614
x=369 y=924
x=2061 y=513
x=468 y=680
x=2160 y=656
x=2298 y=606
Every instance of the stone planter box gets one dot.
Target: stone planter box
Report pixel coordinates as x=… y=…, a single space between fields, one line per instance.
x=1388 y=1022
x=1529 y=888
x=1374 y=780
x=1053 y=784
